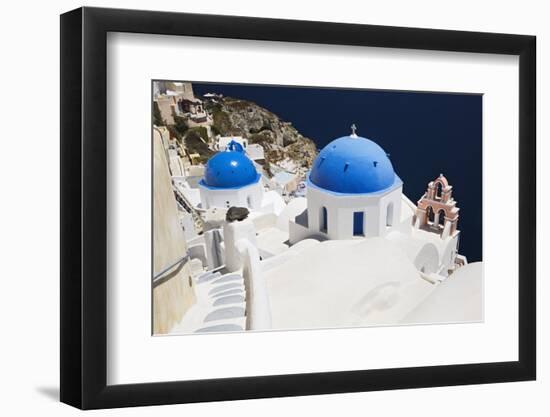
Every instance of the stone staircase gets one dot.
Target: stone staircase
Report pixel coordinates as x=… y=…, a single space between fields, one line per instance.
x=220 y=306
x=186 y=205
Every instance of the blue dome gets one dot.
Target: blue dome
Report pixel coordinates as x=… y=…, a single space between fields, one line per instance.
x=234 y=146
x=352 y=165
x=229 y=169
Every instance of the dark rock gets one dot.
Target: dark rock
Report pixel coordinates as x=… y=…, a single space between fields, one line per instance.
x=236 y=213
x=279 y=139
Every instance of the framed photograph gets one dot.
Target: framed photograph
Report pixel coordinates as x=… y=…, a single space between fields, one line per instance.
x=257 y=208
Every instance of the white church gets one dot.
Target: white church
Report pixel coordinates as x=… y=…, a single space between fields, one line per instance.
x=354 y=251
x=231 y=180
x=352 y=191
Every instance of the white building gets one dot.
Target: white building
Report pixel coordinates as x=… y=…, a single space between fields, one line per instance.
x=184 y=90
x=352 y=191
x=285 y=182
x=223 y=141
x=255 y=152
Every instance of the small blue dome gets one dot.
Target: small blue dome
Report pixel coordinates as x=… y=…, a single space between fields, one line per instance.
x=234 y=146
x=352 y=165
x=229 y=169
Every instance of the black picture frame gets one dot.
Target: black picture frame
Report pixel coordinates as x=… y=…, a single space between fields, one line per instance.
x=84 y=207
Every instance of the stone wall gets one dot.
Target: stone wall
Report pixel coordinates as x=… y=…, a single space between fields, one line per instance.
x=173 y=296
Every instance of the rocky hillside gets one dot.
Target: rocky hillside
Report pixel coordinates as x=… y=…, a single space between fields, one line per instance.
x=283 y=144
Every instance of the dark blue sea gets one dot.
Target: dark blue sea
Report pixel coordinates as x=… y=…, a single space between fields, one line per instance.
x=425 y=134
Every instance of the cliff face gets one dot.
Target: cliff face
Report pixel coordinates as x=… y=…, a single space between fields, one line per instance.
x=283 y=144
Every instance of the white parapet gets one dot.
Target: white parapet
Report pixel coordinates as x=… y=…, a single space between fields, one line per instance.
x=241 y=254
x=258 y=306
x=233 y=232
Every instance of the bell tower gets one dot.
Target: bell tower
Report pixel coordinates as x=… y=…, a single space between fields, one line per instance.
x=436 y=211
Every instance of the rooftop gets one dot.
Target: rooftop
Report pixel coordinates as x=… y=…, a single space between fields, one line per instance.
x=353 y=165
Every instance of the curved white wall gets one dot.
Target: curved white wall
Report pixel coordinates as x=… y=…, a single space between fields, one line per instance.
x=341 y=208
x=249 y=196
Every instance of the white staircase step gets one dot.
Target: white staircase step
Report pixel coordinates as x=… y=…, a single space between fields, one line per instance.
x=223 y=287
x=229 y=292
x=221 y=328
x=220 y=306
x=224 y=313
x=208 y=276
x=229 y=300
x=227 y=278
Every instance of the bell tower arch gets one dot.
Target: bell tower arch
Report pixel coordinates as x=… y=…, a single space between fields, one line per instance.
x=436 y=210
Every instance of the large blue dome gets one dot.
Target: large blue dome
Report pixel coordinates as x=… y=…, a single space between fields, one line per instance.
x=353 y=165
x=229 y=169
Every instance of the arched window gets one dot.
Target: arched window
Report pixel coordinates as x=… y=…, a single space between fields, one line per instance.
x=441 y=219
x=438 y=190
x=389 y=215
x=323 y=221
x=430 y=215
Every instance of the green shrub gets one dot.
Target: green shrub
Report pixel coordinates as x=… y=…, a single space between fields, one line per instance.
x=174 y=133
x=202 y=131
x=214 y=130
x=221 y=122
x=212 y=107
x=157 y=117
x=195 y=144
x=180 y=124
